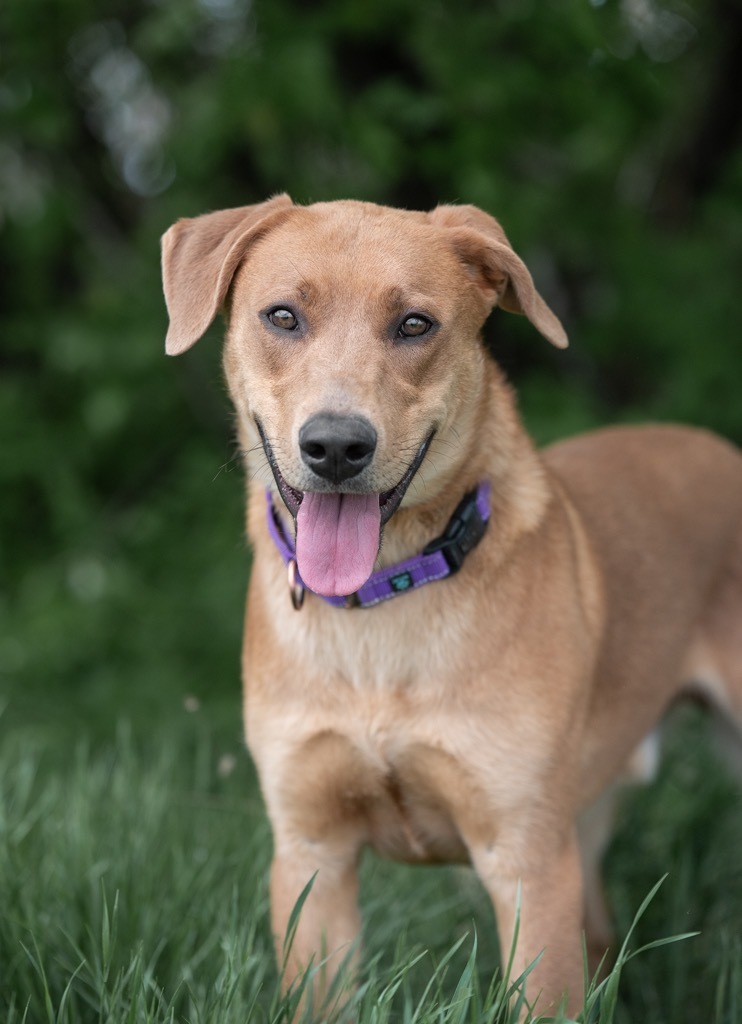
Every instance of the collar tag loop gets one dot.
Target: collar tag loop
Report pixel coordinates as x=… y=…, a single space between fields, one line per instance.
x=296 y=587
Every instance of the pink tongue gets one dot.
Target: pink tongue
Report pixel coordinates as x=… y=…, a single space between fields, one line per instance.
x=337 y=541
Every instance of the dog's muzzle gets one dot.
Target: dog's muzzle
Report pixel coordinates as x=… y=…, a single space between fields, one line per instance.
x=338 y=533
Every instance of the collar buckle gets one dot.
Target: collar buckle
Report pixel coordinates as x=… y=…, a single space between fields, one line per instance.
x=464 y=531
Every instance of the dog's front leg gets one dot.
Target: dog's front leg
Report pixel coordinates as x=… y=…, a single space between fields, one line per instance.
x=327 y=932
x=549 y=920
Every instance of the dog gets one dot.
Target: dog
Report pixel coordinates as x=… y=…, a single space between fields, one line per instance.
x=455 y=645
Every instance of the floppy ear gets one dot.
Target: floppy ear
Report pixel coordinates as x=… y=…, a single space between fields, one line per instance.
x=501 y=276
x=199 y=258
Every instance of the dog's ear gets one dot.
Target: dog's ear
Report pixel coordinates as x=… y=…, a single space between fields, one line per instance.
x=199 y=258
x=501 y=276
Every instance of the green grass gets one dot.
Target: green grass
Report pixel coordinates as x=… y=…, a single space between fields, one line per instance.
x=133 y=889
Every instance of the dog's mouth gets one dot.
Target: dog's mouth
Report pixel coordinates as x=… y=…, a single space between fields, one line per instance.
x=338 y=534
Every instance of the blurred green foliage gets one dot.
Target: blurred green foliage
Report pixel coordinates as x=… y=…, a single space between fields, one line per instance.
x=604 y=134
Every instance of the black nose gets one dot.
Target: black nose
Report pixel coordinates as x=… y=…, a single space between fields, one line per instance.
x=337 y=447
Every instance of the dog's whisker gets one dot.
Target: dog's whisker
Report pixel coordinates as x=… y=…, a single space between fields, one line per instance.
x=229 y=465
x=447 y=442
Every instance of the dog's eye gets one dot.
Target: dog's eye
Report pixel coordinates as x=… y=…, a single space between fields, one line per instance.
x=283 y=318
x=414 y=327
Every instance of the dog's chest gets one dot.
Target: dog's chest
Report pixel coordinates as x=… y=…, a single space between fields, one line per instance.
x=415 y=783
x=374 y=732
x=394 y=791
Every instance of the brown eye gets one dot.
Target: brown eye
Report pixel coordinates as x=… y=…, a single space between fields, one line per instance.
x=283 y=318
x=414 y=327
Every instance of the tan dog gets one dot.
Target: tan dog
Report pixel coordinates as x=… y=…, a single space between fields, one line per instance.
x=476 y=717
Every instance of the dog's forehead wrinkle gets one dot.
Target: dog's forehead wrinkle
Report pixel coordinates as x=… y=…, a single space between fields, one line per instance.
x=303 y=286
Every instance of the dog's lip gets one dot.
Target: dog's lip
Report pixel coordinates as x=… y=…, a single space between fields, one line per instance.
x=291 y=497
x=389 y=501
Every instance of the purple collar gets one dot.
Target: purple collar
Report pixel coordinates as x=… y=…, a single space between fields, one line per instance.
x=440 y=558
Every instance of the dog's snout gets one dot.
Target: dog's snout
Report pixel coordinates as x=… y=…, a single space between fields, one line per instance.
x=337 y=447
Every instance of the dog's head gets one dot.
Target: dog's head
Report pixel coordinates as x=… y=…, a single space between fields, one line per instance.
x=353 y=343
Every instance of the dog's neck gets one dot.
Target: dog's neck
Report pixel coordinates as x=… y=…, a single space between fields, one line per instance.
x=501 y=453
